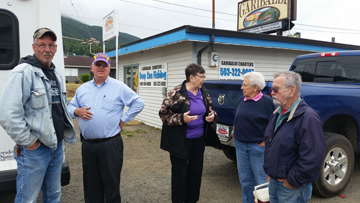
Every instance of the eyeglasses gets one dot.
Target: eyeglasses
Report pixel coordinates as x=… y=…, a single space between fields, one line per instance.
x=43 y=46
x=104 y=65
x=276 y=90
x=243 y=85
x=201 y=76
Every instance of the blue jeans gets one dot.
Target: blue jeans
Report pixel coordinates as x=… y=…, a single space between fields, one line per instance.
x=279 y=193
x=250 y=161
x=39 y=169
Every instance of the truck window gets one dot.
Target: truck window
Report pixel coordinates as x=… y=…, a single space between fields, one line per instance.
x=342 y=69
x=9 y=40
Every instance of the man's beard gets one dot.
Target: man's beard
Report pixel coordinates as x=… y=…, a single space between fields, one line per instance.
x=278 y=103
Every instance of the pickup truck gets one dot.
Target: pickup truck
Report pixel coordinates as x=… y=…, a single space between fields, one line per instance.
x=331 y=86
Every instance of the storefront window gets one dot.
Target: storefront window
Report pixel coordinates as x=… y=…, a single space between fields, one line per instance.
x=9 y=40
x=131 y=76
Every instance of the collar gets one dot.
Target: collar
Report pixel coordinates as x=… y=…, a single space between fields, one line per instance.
x=104 y=83
x=291 y=110
x=256 y=98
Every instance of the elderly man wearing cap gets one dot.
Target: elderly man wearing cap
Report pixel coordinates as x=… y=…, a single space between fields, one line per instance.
x=33 y=112
x=99 y=105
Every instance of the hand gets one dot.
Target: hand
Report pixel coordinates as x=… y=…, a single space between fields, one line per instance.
x=286 y=183
x=188 y=118
x=210 y=117
x=233 y=132
x=34 y=146
x=83 y=113
x=121 y=124
x=262 y=144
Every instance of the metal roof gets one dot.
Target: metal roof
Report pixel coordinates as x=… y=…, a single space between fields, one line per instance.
x=199 y=34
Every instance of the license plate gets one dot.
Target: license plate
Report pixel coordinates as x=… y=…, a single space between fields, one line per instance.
x=222 y=130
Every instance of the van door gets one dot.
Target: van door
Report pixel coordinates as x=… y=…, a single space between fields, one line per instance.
x=9 y=58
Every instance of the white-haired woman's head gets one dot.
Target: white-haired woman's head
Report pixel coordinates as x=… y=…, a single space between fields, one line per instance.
x=256 y=79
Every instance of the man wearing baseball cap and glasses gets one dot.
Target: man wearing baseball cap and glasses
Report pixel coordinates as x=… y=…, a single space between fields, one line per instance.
x=34 y=113
x=99 y=105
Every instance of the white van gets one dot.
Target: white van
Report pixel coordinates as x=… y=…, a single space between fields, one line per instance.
x=18 y=21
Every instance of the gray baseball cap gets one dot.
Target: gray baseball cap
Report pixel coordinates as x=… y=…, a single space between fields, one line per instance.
x=41 y=31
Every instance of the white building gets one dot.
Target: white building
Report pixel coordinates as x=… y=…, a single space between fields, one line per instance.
x=170 y=52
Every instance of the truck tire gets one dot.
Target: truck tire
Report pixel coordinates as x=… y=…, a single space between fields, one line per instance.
x=337 y=167
x=230 y=153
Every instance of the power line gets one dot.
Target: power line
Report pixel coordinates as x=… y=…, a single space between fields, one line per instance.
x=80 y=17
x=327 y=27
x=190 y=7
x=81 y=40
x=192 y=14
x=350 y=33
x=118 y=23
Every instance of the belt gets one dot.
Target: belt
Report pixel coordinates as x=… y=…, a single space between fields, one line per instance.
x=102 y=139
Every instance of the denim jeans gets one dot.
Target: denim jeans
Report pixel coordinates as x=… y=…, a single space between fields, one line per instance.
x=279 y=193
x=39 y=169
x=250 y=161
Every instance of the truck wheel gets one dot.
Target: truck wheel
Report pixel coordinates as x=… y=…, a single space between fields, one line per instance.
x=230 y=153
x=337 y=167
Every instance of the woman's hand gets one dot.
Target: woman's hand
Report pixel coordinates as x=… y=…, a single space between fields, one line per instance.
x=188 y=118
x=210 y=117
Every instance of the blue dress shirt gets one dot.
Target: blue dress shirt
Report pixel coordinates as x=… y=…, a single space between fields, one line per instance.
x=107 y=102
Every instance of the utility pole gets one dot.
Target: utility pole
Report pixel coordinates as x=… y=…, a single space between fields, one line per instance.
x=90 y=42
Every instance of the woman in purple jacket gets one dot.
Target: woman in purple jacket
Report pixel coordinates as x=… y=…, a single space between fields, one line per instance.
x=186 y=114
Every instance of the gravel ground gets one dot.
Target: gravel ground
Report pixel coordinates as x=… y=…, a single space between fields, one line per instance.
x=146 y=173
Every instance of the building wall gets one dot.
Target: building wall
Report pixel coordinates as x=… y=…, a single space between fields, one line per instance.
x=177 y=56
x=267 y=60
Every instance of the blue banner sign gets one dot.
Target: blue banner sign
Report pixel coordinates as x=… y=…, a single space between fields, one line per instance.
x=153 y=76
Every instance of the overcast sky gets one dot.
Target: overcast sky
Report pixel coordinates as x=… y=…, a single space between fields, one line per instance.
x=316 y=19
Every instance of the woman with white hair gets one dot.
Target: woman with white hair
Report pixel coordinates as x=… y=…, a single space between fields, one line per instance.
x=252 y=114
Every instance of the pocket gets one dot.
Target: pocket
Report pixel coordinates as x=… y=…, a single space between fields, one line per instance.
x=33 y=149
x=37 y=99
x=110 y=102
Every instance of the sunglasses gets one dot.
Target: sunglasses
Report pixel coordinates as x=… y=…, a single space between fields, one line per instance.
x=276 y=90
x=273 y=89
x=104 y=65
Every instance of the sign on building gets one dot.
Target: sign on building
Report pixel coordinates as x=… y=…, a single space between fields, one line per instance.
x=234 y=69
x=110 y=26
x=153 y=75
x=266 y=16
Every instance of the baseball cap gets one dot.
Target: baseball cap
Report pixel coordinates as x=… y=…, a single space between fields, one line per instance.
x=101 y=57
x=41 y=31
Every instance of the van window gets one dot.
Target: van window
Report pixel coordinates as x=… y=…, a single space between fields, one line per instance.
x=9 y=40
x=343 y=69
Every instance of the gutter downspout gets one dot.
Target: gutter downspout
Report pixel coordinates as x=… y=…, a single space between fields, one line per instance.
x=204 y=48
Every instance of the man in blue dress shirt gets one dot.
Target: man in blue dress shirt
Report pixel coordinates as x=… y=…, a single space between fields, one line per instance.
x=99 y=105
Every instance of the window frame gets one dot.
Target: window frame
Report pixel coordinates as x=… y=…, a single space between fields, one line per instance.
x=132 y=79
x=16 y=41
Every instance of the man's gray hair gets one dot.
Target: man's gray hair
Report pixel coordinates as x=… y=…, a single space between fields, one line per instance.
x=291 y=78
x=256 y=78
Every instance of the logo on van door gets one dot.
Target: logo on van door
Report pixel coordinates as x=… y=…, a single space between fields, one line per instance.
x=6 y=155
x=221 y=99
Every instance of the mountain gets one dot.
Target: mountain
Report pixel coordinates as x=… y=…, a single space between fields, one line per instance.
x=75 y=29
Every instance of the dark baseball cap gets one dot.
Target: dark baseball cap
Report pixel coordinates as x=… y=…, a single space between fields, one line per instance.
x=42 y=31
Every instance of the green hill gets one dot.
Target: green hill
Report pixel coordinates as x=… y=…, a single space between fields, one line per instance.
x=74 y=29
